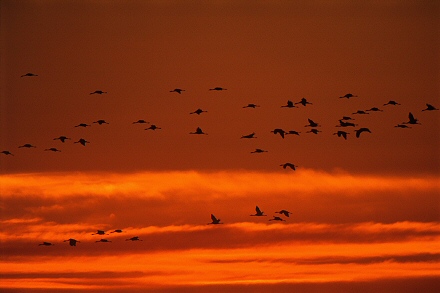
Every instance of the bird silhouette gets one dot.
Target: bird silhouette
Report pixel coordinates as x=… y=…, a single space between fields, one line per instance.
x=314 y=131
x=348 y=96
x=46 y=244
x=62 y=138
x=304 y=102
x=98 y=92
x=258 y=213
x=83 y=125
x=289 y=104
x=412 y=119
x=27 y=145
x=257 y=151
x=276 y=218
x=429 y=107
x=374 y=109
x=53 y=150
x=153 y=127
x=279 y=131
x=346 y=118
x=72 y=242
x=312 y=123
x=100 y=232
x=82 y=141
x=103 y=240
x=292 y=132
x=179 y=91
x=198 y=131
x=215 y=221
x=251 y=106
x=360 y=130
x=116 y=231
x=402 y=126
x=29 y=74
x=393 y=103
x=345 y=124
x=341 y=133
x=290 y=165
x=134 y=238
x=101 y=121
x=218 y=89
x=198 y=111
x=252 y=135
x=8 y=153
x=140 y=121
x=362 y=112
x=284 y=212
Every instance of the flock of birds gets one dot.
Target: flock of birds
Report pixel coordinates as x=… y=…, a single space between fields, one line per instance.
x=345 y=122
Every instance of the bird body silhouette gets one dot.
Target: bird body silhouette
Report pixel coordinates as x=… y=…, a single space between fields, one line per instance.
x=82 y=141
x=140 y=121
x=374 y=109
x=258 y=213
x=252 y=135
x=412 y=119
x=348 y=96
x=289 y=165
x=103 y=240
x=29 y=74
x=393 y=103
x=345 y=124
x=314 y=131
x=289 y=104
x=179 y=91
x=116 y=231
x=341 y=133
x=46 y=244
x=251 y=106
x=402 y=126
x=215 y=221
x=53 y=150
x=8 y=153
x=27 y=145
x=279 y=131
x=258 y=151
x=362 y=112
x=312 y=123
x=218 y=89
x=284 y=212
x=198 y=131
x=304 y=102
x=101 y=121
x=134 y=238
x=293 y=132
x=72 y=242
x=62 y=138
x=98 y=92
x=429 y=107
x=360 y=130
x=198 y=111
x=83 y=125
x=276 y=218
x=100 y=232
x=153 y=127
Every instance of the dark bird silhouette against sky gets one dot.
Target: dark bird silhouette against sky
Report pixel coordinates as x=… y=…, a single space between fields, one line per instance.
x=284 y=212
x=198 y=111
x=103 y=240
x=46 y=244
x=393 y=103
x=72 y=242
x=101 y=121
x=251 y=106
x=412 y=119
x=347 y=96
x=312 y=123
x=374 y=109
x=116 y=231
x=314 y=131
x=276 y=218
x=62 y=138
x=289 y=165
x=361 y=112
x=279 y=131
x=292 y=132
x=152 y=127
x=430 y=107
x=289 y=104
x=134 y=238
x=8 y=153
x=98 y=92
x=252 y=135
x=345 y=124
x=179 y=91
x=402 y=126
x=82 y=141
x=258 y=213
x=258 y=151
x=198 y=131
x=83 y=125
x=100 y=232
x=341 y=133
x=140 y=121
x=361 y=130
x=53 y=150
x=304 y=102
x=215 y=221
x=218 y=89
x=27 y=145
x=29 y=74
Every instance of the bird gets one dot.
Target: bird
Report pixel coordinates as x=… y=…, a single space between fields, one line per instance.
x=198 y=131
x=179 y=91
x=279 y=131
x=258 y=213
x=251 y=106
x=429 y=107
x=348 y=96
x=153 y=127
x=360 y=130
x=99 y=92
x=218 y=89
x=402 y=126
x=29 y=74
x=215 y=221
x=394 y=103
x=140 y=121
x=292 y=132
x=276 y=218
x=341 y=133
x=53 y=150
x=360 y=112
x=374 y=109
x=289 y=104
x=314 y=131
x=46 y=244
x=252 y=135
x=7 y=153
x=72 y=242
x=284 y=212
x=304 y=102
x=82 y=141
x=412 y=119
x=134 y=238
x=83 y=125
x=100 y=232
x=103 y=240
x=290 y=165
x=259 y=151
x=116 y=231
x=101 y=121
x=198 y=111
x=312 y=123
x=346 y=118
x=27 y=145
x=345 y=124
x=62 y=138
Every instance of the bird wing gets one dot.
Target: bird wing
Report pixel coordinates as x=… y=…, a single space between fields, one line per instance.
x=258 y=210
x=213 y=218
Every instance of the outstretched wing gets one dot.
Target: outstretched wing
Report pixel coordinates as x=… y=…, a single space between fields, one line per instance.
x=213 y=218
x=258 y=210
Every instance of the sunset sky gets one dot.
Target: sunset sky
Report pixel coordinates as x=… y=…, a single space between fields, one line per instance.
x=365 y=211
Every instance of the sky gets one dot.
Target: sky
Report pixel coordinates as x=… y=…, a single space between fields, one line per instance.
x=365 y=211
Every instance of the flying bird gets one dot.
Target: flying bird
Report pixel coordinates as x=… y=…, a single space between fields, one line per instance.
x=279 y=131
x=103 y=240
x=402 y=126
x=258 y=213
x=29 y=74
x=82 y=141
x=7 y=153
x=360 y=112
x=198 y=111
x=259 y=151
x=276 y=218
x=252 y=135
x=394 y=103
x=290 y=165
x=314 y=131
x=100 y=232
x=360 y=130
x=284 y=212
x=179 y=91
x=53 y=150
x=134 y=238
x=99 y=92
x=289 y=104
x=116 y=231
x=292 y=132
x=62 y=138
x=341 y=133
x=215 y=221
x=46 y=244
x=312 y=123
x=218 y=89
x=101 y=121
x=198 y=131
x=251 y=106
x=345 y=124
x=83 y=125
x=72 y=242
x=140 y=121
x=348 y=96
x=346 y=118
x=153 y=127
x=374 y=109
x=27 y=145
x=304 y=102
x=429 y=107
x=412 y=119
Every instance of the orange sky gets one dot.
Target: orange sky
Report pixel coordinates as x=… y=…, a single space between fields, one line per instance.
x=365 y=211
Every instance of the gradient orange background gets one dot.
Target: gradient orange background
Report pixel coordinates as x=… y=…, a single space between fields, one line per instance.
x=365 y=211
